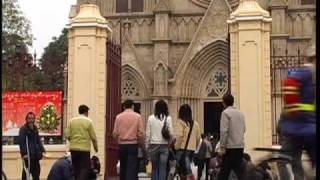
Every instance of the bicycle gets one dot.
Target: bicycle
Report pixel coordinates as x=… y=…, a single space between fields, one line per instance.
x=276 y=156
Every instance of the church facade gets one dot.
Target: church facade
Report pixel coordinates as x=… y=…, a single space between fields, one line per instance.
x=178 y=50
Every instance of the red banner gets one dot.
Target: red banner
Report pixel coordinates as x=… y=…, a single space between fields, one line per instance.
x=45 y=104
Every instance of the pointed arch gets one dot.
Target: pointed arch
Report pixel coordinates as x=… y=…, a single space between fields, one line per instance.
x=297 y=31
x=307 y=23
x=160 y=79
x=133 y=84
x=196 y=75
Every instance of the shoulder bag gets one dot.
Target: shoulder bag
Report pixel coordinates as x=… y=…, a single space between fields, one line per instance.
x=182 y=165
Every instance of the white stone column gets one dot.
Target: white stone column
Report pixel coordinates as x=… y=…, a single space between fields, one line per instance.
x=87 y=69
x=250 y=71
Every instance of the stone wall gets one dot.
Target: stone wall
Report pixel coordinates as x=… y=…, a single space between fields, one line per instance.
x=12 y=162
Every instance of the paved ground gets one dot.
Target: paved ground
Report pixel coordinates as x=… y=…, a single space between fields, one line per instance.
x=142 y=176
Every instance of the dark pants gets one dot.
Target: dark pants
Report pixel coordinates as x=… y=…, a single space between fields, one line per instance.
x=81 y=164
x=34 y=169
x=188 y=159
x=128 y=155
x=231 y=160
x=307 y=143
x=201 y=166
x=293 y=147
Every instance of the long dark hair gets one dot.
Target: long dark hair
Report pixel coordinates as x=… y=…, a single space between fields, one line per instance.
x=34 y=115
x=161 y=108
x=185 y=113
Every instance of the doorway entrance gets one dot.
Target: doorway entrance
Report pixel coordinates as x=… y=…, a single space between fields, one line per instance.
x=212 y=114
x=137 y=107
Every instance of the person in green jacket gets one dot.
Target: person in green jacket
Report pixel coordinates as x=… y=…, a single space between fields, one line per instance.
x=80 y=133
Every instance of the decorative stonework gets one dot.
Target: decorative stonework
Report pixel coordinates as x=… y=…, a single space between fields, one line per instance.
x=160 y=80
x=129 y=87
x=97 y=2
x=218 y=82
x=202 y=3
x=162 y=6
x=300 y=24
x=130 y=57
x=210 y=62
x=205 y=3
x=139 y=29
x=133 y=83
x=213 y=26
x=182 y=29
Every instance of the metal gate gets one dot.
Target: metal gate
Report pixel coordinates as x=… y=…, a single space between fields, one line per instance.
x=113 y=105
x=280 y=66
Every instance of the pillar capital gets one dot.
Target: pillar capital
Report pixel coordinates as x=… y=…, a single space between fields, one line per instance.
x=89 y=16
x=249 y=10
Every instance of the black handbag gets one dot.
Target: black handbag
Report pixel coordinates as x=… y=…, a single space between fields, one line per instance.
x=200 y=155
x=182 y=166
x=165 y=131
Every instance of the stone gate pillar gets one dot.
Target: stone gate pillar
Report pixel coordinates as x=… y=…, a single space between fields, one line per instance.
x=87 y=68
x=249 y=27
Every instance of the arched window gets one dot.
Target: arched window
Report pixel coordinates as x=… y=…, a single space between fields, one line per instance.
x=129 y=87
x=218 y=82
x=123 y=6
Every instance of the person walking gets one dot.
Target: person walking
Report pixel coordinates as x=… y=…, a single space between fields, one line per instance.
x=129 y=132
x=187 y=133
x=80 y=133
x=159 y=132
x=203 y=155
x=232 y=129
x=293 y=150
x=31 y=148
x=298 y=121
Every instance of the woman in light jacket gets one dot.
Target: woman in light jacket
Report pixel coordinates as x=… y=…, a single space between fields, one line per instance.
x=182 y=128
x=157 y=145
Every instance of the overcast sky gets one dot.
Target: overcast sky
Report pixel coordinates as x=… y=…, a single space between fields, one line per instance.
x=48 y=18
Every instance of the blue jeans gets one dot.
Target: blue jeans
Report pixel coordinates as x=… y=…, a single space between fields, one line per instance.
x=128 y=155
x=159 y=160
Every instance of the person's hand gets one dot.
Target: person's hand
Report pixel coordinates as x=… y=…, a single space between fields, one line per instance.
x=146 y=160
x=222 y=151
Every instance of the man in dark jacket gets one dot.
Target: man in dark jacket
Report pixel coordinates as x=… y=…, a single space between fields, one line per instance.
x=62 y=169
x=31 y=148
x=299 y=119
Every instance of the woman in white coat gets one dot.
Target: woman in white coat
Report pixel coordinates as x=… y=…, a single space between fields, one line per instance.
x=158 y=141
